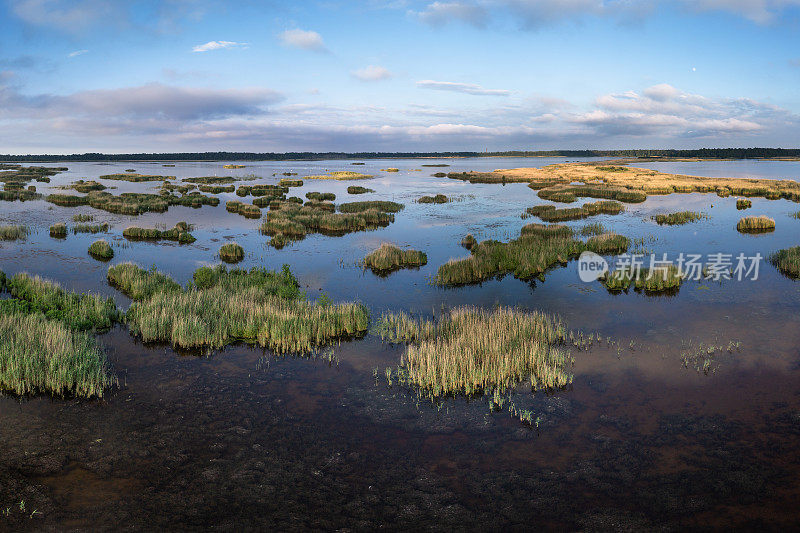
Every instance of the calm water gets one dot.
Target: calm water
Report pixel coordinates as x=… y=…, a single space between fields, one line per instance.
x=244 y=440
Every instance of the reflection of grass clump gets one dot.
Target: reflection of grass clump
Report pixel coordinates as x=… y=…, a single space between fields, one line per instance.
x=100 y=249
x=288 y=182
x=743 y=204
x=321 y=196
x=527 y=257
x=179 y=233
x=675 y=219
x=787 y=261
x=231 y=252
x=358 y=189
x=389 y=258
x=473 y=351
x=58 y=231
x=759 y=224
x=13 y=232
x=246 y=210
x=438 y=199
x=257 y=306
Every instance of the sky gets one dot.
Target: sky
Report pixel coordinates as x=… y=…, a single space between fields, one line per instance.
x=397 y=75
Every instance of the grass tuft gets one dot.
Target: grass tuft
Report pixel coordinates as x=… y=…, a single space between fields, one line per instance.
x=787 y=261
x=231 y=252
x=58 y=231
x=438 y=199
x=388 y=258
x=101 y=250
x=321 y=196
x=759 y=224
x=679 y=218
x=742 y=204
x=13 y=232
x=357 y=189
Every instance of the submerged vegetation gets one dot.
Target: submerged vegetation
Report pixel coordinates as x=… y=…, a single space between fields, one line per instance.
x=231 y=252
x=472 y=351
x=759 y=224
x=787 y=261
x=388 y=258
x=101 y=250
x=679 y=218
x=223 y=307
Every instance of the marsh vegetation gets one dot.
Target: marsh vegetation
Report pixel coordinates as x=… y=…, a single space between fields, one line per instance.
x=101 y=250
x=231 y=252
x=13 y=232
x=357 y=189
x=756 y=224
x=787 y=261
x=340 y=175
x=679 y=218
x=437 y=199
x=388 y=258
x=180 y=233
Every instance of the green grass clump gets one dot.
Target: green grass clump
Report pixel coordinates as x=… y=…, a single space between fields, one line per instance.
x=564 y=197
x=438 y=199
x=388 y=258
x=550 y=214
x=90 y=228
x=291 y=221
x=216 y=189
x=179 y=233
x=474 y=351
x=87 y=186
x=321 y=196
x=787 y=261
x=210 y=180
x=589 y=191
x=135 y=177
x=543 y=229
x=340 y=175
x=82 y=218
x=469 y=241
x=2 y=280
x=139 y=284
x=675 y=219
x=13 y=195
x=231 y=252
x=246 y=210
x=13 y=232
x=527 y=257
x=661 y=279
x=168 y=187
x=743 y=204
x=539 y=209
x=380 y=205
x=357 y=189
x=101 y=250
x=759 y=224
x=288 y=182
x=132 y=203
x=256 y=307
x=58 y=231
x=276 y=191
x=38 y=355
x=33 y=294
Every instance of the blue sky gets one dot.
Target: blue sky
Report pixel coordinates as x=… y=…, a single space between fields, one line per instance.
x=397 y=75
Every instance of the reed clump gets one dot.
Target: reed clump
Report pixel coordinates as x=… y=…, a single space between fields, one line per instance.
x=168 y=187
x=607 y=207
x=233 y=166
x=21 y=195
x=787 y=261
x=469 y=241
x=38 y=355
x=87 y=186
x=13 y=232
x=679 y=218
x=289 y=221
x=259 y=307
x=357 y=189
x=180 y=233
x=132 y=203
x=58 y=231
x=742 y=204
x=216 y=189
x=437 y=199
x=659 y=279
x=288 y=182
x=90 y=228
x=32 y=295
x=756 y=224
x=210 y=180
x=390 y=169
x=139 y=284
x=340 y=175
x=379 y=205
x=101 y=250
x=388 y=258
x=231 y=252
x=474 y=351
x=133 y=177
x=246 y=210
x=82 y=218
x=321 y=196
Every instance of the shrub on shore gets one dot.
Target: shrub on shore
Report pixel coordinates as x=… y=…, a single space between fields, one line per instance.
x=388 y=258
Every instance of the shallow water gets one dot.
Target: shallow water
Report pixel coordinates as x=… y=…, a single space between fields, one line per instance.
x=242 y=439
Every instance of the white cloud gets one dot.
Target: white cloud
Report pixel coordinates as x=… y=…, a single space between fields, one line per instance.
x=440 y=13
x=217 y=45
x=372 y=73
x=77 y=53
x=466 y=88
x=303 y=39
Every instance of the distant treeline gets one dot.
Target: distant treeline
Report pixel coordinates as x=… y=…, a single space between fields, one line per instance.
x=707 y=153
